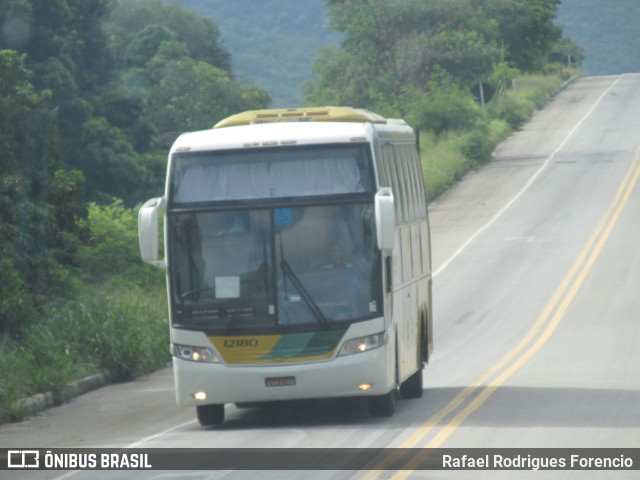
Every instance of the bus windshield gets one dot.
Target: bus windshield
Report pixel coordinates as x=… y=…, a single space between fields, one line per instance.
x=263 y=268
x=256 y=264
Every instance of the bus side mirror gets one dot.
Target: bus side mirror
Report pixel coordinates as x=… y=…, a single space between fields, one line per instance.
x=385 y=219
x=148 y=231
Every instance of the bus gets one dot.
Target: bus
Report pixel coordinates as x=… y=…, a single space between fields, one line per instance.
x=298 y=260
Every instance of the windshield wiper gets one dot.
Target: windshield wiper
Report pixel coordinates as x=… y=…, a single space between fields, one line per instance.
x=188 y=293
x=308 y=299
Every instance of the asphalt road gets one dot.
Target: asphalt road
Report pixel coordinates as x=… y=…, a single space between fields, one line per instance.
x=537 y=321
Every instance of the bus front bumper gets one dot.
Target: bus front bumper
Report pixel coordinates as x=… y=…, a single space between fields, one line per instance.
x=360 y=374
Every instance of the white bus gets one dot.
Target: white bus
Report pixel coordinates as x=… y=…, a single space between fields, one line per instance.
x=298 y=258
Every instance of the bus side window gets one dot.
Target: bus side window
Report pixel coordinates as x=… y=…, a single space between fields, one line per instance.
x=390 y=160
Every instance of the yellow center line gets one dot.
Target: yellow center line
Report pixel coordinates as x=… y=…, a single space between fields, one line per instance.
x=478 y=401
x=614 y=212
x=570 y=285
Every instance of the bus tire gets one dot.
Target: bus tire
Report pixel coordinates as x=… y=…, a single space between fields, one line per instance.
x=210 y=415
x=412 y=387
x=383 y=405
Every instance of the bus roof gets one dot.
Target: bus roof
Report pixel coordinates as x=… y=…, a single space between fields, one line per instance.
x=339 y=125
x=316 y=114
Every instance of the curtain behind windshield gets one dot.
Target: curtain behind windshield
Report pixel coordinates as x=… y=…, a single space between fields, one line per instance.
x=260 y=173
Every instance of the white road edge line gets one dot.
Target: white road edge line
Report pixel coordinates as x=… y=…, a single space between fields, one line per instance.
x=159 y=434
x=533 y=178
x=134 y=445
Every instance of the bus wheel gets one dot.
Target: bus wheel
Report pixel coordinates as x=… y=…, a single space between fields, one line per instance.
x=210 y=415
x=412 y=386
x=384 y=405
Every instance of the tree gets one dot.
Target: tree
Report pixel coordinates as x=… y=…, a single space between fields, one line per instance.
x=193 y=95
x=146 y=43
x=123 y=77
x=112 y=166
x=199 y=35
x=39 y=203
x=172 y=75
x=444 y=106
x=527 y=30
x=391 y=46
x=395 y=53
x=66 y=49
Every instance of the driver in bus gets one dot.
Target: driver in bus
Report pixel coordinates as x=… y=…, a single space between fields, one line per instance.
x=336 y=257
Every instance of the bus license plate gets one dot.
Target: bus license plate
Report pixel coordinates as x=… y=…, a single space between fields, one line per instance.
x=280 y=381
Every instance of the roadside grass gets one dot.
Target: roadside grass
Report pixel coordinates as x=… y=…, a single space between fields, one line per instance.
x=116 y=321
x=123 y=334
x=447 y=157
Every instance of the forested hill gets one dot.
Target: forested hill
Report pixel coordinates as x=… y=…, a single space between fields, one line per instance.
x=607 y=31
x=273 y=42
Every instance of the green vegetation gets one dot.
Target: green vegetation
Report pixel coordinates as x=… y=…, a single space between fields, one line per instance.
x=273 y=42
x=448 y=156
x=427 y=62
x=275 y=46
x=93 y=92
x=116 y=323
x=123 y=80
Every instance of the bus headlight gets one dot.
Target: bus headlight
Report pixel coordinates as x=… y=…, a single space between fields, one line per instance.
x=194 y=354
x=363 y=344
